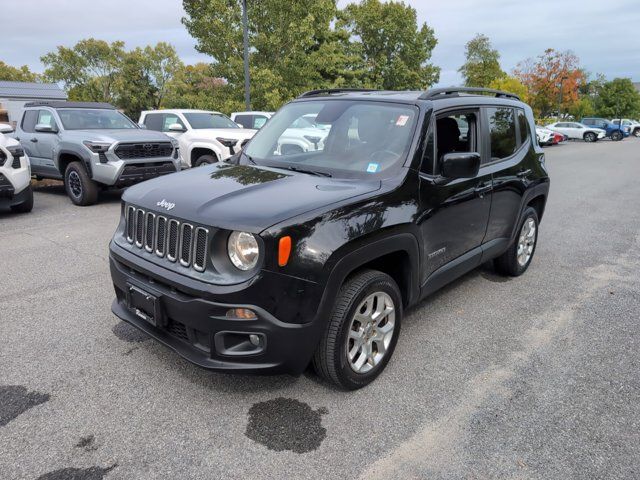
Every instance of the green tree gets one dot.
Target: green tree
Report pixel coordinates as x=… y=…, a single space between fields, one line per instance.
x=483 y=63
x=89 y=69
x=17 y=74
x=512 y=85
x=393 y=51
x=618 y=99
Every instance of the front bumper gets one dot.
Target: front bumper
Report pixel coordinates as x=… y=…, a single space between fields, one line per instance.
x=193 y=320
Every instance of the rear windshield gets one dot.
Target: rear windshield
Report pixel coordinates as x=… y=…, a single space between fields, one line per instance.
x=94 y=119
x=202 y=120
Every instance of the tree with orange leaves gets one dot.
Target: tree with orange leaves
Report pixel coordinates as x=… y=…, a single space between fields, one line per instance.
x=550 y=77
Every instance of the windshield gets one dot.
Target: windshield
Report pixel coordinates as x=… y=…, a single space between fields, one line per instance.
x=209 y=120
x=94 y=119
x=337 y=137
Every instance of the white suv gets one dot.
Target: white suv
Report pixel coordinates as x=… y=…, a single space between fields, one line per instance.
x=204 y=136
x=15 y=174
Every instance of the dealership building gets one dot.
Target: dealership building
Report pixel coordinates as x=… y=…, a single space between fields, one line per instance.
x=13 y=96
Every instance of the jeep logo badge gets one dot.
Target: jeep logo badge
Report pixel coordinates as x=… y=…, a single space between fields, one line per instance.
x=166 y=205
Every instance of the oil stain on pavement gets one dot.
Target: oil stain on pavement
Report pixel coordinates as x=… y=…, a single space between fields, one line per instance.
x=16 y=399
x=88 y=443
x=286 y=424
x=128 y=333
x=93 y=473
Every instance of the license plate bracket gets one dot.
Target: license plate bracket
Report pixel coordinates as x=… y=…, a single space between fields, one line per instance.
x=144 y=305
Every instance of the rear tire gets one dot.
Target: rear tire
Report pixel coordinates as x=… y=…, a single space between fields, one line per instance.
x=80 y=188
x=590 y=137
x=362 y=332
x=205 y=160
x=616 y=136
x=27 y=205
x=515 y=261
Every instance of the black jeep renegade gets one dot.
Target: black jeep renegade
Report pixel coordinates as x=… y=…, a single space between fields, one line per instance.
x=346 y=208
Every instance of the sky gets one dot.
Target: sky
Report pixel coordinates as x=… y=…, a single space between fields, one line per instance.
x=603 y=34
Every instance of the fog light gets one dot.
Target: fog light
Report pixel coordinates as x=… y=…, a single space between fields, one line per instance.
x=241 y=313
x=255 y=340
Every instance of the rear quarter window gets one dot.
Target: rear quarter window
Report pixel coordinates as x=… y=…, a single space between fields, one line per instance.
x=502 y=129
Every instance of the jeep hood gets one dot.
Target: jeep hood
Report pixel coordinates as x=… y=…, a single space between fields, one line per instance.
x=239 y=197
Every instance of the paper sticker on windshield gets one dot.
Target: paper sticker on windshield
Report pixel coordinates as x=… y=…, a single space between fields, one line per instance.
x=372 y=168
x=402 y=120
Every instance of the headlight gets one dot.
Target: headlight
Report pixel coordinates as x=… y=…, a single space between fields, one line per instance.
x=97 y=147
x=243 y=250
x=227 y=142
x=175 y=143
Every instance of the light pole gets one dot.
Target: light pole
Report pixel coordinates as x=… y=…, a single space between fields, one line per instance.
x=245 y=38
x=562 y=79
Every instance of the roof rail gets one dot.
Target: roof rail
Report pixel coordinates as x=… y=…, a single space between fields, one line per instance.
x=66 y=104
x=456 y=91
x=335 y=90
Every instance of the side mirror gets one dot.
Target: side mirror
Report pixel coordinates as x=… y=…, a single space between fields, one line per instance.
x=4 y=128
x=45 y=128
x=460 y=165
x=176 y=127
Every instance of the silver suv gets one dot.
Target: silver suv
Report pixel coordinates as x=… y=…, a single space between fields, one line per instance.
x=92 y=146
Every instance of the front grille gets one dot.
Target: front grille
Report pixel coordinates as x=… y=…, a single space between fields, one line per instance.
x=168 y=238
x=128 y=151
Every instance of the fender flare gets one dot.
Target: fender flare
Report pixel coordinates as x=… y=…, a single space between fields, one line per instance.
x=76 y=153
x=393 y=242
x=205 y=145
x=540 y=190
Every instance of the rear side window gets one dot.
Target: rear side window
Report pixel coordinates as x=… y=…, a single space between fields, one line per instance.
x=523 y=125
x=154 y=121
x=502 y=128
x=588 y=121
x=245 y=120
x=29 y=121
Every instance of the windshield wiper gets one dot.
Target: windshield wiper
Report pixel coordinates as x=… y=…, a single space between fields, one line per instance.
x=309 y=172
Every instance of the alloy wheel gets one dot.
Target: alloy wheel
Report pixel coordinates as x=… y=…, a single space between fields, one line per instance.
x=370 y=332
x=526 y=241
x=75 y=185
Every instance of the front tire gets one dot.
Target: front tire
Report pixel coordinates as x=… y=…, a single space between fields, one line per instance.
x=80 y=188
x=590 y=137
x=27 y=205
x=205 y=160
x=636 y=133
x=362 y=332
x=515 y=261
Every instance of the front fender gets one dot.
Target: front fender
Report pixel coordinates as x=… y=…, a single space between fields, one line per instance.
x=203 y=144
x=71 y=148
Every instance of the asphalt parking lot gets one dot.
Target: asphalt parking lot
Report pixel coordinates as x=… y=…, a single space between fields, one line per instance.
x=531 y=378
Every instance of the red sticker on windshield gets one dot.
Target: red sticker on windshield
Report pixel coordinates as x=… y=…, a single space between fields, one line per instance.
x=402 y=120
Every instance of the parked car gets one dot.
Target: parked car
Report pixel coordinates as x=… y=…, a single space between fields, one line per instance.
x=204 y=136
x=633 y=125
x=253 y=120
x=303 y=135
x=578 y=131
x=268 y=262
x=544 y=136
x=15 y=174
x=92 y=146
x=612 y=131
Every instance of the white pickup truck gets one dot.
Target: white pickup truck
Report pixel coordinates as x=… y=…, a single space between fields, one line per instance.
x=15 y=174
x=204 y=136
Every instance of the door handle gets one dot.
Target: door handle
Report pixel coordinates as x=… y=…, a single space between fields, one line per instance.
x=524 y=173
x=34 y=140
x=480 y=191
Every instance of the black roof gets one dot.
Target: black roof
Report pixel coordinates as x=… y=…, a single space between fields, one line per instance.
x=57 y=104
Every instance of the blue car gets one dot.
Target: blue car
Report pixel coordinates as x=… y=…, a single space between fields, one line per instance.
x=614 y=132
